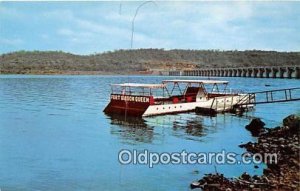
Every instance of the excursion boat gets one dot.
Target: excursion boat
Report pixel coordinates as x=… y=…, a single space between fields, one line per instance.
x=172 y=96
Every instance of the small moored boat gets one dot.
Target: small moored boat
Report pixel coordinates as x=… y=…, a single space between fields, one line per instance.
x=172 y=96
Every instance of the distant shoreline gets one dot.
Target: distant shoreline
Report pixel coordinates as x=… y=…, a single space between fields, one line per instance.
x=139 y=61
x=79 y=73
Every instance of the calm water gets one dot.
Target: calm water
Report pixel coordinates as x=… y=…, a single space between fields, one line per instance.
x=54 y=135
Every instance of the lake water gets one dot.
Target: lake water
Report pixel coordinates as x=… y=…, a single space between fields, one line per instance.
x=54 y=135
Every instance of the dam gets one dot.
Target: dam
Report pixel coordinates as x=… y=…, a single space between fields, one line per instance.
x=254 y=72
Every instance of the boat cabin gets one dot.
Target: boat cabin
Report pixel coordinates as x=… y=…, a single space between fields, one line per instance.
x=137 y=99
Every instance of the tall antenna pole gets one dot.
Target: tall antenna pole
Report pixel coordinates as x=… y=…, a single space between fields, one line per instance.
x=133 y=19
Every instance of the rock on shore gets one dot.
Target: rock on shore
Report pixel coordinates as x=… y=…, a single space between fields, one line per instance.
x=256 y=127
x=283 y=175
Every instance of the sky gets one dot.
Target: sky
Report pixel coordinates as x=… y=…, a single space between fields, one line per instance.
x=95 y=27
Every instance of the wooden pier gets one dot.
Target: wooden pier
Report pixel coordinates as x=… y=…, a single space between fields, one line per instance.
x=225 y=104
x=254 y=72
x=271 y=96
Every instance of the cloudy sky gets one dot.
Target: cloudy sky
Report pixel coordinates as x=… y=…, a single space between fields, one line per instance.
x=89 y=27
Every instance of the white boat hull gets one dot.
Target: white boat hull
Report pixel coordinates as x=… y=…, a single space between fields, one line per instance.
x=223 y=103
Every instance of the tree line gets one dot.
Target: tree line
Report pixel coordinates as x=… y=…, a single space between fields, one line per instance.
x=140 y=60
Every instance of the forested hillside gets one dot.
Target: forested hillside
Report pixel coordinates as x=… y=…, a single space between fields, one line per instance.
x=139 y=61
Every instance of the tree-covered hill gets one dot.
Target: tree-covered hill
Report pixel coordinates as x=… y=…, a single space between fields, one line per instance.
x=139 y=61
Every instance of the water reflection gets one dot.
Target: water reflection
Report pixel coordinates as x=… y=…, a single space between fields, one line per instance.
x=191 y=127
x=131 y=129
x=188 y=126
x=39 y=150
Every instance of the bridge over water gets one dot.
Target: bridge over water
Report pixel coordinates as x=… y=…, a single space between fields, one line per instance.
x=255 y=72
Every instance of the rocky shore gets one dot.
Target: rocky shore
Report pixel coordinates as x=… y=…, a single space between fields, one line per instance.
x=283 y=175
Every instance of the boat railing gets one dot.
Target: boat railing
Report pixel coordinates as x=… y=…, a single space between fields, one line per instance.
x=172 y=99
x=135 y=93
x=221 y=103
x=227 y=103
x=246 y=99
x=233 y=91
